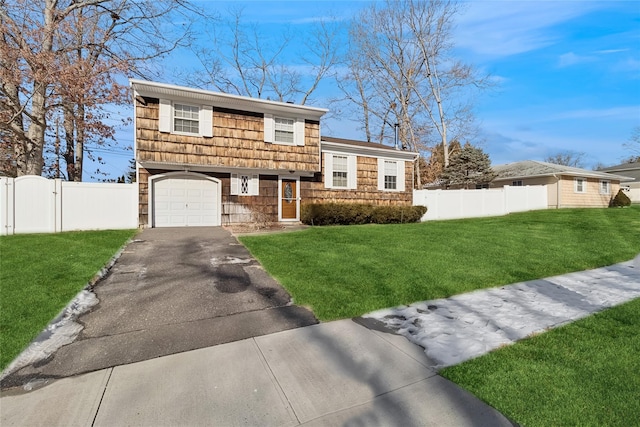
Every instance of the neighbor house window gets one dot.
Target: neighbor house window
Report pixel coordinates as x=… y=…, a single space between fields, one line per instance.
x=244 y=185
x=390 y=175
x=580 y=185
x=605 y=187
x=340 y=171
x=186 y=118
x=517 y=183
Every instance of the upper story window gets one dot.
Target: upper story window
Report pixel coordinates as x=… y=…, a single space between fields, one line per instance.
x=196 y=120
x=517 y=183
x=186 y=118
x=580 y=185
x=340 y=171
x=605 y=187
x=283 y=130
x=390 y=175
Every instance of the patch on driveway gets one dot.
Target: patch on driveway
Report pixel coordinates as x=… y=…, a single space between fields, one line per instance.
x=172 y=290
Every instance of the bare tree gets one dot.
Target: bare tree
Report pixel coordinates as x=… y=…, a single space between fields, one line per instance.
x=567 y=158
x=633 y=145
x=241 y=59
x=402 y=70
x=64 y=58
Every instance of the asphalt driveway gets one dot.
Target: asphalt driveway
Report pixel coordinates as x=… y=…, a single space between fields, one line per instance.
x=172 y=290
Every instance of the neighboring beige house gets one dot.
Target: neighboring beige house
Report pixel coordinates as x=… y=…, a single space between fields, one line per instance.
x=567 y=187
x=632 y=170
x=209 y=158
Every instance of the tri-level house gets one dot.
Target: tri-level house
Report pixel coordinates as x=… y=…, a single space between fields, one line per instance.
x=208 y=158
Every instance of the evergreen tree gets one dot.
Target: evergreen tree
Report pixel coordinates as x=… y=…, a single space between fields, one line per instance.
x=469 y=167
x=130 y=177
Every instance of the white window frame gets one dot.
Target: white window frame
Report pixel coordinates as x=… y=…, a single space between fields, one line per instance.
x=252 y=189
x=579 y=185
x=192 y=121
x=166 y=118
x=605 y=183
x=270 y=130
x=352 y=171
x=400 y=178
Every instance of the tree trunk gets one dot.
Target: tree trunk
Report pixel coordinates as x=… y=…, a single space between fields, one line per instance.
x=34 y=146
x=69 y=131
x=80 y=135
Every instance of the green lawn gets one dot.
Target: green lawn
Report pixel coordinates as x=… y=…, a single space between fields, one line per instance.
x=346 y=271
x=586 y=373
x=40 y=274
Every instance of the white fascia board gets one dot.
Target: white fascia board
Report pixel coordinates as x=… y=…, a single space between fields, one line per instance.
x=334 y=147
x=224 y=100
x=602 y=176
x=221 y=169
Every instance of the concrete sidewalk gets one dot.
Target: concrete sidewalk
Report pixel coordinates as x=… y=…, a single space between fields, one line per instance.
x=336 y=373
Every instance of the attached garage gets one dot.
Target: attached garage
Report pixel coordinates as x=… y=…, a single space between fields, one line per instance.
x=185 y=200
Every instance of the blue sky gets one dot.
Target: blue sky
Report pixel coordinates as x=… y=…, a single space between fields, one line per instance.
x=568 y=72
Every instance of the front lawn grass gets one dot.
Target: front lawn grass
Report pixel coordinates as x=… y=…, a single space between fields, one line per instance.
x=346 y=271
x=40 y=274
x=585 y=373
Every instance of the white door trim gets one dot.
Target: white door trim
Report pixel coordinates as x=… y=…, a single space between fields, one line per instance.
x=297 y=180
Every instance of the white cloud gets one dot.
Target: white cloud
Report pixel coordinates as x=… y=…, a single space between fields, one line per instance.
x=622 y=113
x=610 y=51
x=631 y=65
x=508 y=28
x=569 y=59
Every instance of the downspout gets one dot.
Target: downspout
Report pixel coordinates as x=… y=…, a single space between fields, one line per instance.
x=557 y=191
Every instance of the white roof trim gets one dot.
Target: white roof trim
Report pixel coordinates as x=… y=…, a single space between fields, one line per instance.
x=223 y=100
x=336 y=147
x=175 y=166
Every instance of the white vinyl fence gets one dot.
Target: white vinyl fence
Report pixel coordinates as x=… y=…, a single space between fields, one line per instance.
x=450 y=204
x=32 y=204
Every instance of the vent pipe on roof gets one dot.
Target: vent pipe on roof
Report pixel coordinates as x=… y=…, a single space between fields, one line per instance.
x=395 y=127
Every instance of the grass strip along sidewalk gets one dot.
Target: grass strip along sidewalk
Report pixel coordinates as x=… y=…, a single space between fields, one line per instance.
x=585 y=373
x=41 y=273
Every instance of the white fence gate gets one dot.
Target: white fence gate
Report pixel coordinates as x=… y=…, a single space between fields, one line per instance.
x=450 y=204
x=32 y=204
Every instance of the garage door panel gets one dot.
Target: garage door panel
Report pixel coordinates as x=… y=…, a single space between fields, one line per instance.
x=185 y=201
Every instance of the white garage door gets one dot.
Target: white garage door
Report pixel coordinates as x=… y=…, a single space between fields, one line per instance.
x=185 y=201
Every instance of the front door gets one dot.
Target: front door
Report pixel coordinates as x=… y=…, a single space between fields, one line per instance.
x=289 y=199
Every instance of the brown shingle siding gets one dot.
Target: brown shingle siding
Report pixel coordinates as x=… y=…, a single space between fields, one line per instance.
x=238 y=141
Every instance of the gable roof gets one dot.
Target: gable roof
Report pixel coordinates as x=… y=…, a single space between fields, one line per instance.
x=632 y=170
x=534 y=168
x=219 y=99
x=371 y=149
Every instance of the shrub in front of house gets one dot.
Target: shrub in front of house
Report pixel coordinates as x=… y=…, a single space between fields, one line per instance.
x=356 y=213
x=620 y=200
